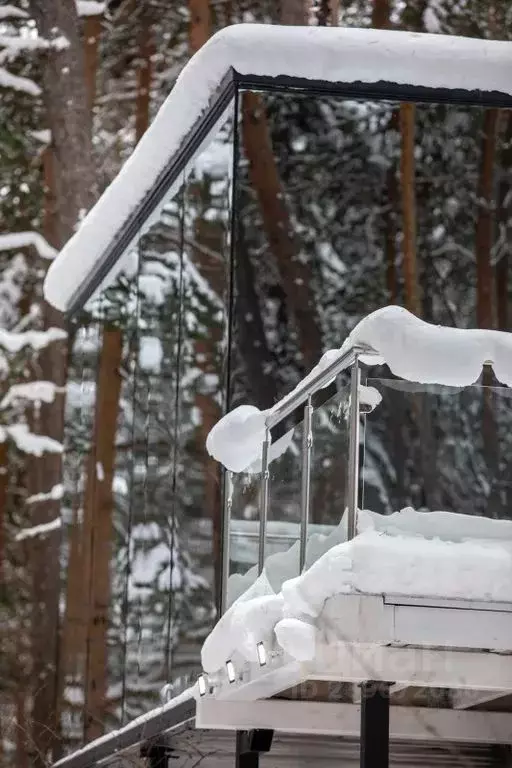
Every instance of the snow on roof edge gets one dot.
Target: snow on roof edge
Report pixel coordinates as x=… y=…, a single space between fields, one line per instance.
x=336 y=54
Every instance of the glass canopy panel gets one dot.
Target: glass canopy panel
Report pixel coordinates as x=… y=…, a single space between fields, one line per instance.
x=438 y=448
x=319 y=222
x=169 y=307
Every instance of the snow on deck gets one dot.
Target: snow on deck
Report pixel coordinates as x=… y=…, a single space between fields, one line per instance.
x=317 y=53
x=415 y=554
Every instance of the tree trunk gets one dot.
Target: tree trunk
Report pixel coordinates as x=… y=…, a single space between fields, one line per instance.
x=408 y=190
x=484 y=222
x=295 y=274
x=200 y=24
x=144 y=78
x=99 y=524
x=380 y=14
x=381 y=20
x=4 y=481
x=92 y=33
x=72 y=178
x=504 y=215
x=294 y=12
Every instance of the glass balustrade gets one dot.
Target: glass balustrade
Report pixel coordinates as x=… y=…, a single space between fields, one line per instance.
x=432 y=447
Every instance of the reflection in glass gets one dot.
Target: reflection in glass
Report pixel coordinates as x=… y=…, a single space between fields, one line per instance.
x=438 y=448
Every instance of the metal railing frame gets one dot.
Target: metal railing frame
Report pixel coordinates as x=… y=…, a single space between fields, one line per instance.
x=302 y=396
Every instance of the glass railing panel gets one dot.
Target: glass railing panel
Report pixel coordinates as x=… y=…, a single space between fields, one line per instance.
x=329 y=470
x=438 y=448
x=243 y=491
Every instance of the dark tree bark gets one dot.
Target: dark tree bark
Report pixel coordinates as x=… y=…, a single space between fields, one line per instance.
x=485 y=221
x=295 y=274
x=504 y=216
x=70 y=192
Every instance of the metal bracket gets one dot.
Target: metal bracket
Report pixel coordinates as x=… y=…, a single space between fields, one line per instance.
x=249 y=746
x=157 y=755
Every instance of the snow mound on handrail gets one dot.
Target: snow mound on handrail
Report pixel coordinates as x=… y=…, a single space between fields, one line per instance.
x=413 y=349
x=433 y=354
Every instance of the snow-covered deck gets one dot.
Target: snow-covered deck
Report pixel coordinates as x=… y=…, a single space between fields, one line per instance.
x=418 y=601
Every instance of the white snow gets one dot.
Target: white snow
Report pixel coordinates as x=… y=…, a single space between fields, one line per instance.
x=54 y=494
x=45 y=137
x=150 y=354
x=29 y=442
x=18 y=83
x=318 y=53
x=413 y=349
x=35 y=391
x=419 y=554
x=16 y=240
x=14 y=341
x=432 y=354
x=39 y=530
x=11 y=12
x=90 y=8
x=237 y=438
x=369 y=397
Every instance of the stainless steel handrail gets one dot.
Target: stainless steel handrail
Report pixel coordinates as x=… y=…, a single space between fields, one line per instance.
x=301 y=393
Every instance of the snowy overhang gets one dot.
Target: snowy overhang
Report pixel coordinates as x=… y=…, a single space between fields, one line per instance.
x=356 y=63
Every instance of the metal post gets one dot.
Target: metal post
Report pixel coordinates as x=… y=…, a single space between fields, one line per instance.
x=226 y=539
x=265 y=477
x=307 y=445
x=249 y=746
x=374 y=744
x=353 y=450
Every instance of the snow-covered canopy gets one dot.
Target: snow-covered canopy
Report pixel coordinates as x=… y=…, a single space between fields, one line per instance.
x=414 y=350
x=329 y=54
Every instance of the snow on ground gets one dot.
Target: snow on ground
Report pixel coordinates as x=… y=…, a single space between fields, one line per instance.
x=416 y=554
x=413 y=349
x=333 y=54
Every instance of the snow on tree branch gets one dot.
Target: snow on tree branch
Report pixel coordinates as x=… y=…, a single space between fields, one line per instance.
x=13 y=342
x=14 y=45
x=54 y=494
x=14 y=240
x=28 y=442
x=39 y=530
x=35 y=391
x=11 y=12
x=90 y=8
x=17 y=83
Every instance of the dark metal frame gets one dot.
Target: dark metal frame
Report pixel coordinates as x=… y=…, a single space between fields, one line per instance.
x=232 y=84
x=149 y=734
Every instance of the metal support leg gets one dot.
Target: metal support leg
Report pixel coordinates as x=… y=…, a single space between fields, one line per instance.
x=157 y=755
x=374 y=745
x=265 y=477
x=307 y=445
x=353 y=451
x=249 y=745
